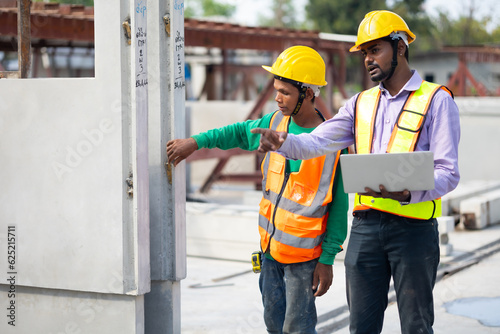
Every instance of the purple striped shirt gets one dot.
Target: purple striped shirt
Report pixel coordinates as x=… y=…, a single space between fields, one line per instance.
x=440 y=134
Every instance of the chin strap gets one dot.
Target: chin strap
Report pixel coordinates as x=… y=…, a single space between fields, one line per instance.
x=302 y=96
x=394 y=62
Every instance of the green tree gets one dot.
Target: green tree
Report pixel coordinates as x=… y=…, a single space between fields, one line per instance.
x=420 y=24
x=464 y=31
x=284 y=15
x=207 y=8
x=468 y=29
x=343 y=17
x=340 y=17
x=495 y=35
x=408 y=7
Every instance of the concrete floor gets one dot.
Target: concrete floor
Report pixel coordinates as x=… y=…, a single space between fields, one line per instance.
x=222 y=296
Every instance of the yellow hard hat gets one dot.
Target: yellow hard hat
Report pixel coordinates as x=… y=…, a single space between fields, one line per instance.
x=378 y=24
x=300 y=63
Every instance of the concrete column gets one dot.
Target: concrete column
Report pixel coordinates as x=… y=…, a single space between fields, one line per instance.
x=167 y=185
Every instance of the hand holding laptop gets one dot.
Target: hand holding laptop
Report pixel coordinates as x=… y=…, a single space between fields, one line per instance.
x=400 y=196
x=398 y=173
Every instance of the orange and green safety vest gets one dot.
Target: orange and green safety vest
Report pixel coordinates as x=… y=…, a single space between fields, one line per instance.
x=294 y=208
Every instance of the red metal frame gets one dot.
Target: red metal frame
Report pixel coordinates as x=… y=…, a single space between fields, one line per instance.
x=466 y=54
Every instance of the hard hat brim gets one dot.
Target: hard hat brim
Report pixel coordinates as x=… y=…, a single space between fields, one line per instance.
x=268 y=68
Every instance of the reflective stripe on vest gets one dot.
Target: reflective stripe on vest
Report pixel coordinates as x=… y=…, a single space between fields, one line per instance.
x=403 y=139
x=294 y=207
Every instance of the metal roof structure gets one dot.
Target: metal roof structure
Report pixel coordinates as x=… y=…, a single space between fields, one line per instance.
x=52 y=24
x=232 y=36
x=63 y=25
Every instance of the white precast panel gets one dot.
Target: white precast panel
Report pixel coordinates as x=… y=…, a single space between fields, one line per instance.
x=67 y=147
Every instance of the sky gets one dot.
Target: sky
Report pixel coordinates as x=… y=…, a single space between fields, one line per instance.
x=248 y=10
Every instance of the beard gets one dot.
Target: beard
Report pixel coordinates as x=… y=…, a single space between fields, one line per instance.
x=381 y=75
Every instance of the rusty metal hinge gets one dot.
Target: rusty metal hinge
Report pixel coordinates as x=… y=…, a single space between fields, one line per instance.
x=168 y=169
x=130 y=185
x=166 y=22
x=127 y=29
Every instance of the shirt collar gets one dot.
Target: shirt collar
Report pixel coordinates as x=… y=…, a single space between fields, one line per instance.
x=412 y=85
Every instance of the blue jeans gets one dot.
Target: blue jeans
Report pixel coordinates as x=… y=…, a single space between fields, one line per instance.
x=288 y=297
x=382 y=245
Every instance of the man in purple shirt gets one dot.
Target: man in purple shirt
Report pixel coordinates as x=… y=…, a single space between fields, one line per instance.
x=394 y=234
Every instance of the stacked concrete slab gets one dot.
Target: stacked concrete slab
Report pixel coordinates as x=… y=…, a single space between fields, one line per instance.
x=480 y=211
x=475 y=205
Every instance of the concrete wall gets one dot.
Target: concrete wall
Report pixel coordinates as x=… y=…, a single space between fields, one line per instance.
x=68 y=145
x=479 y=150
x=443 y=65
x=55 y=311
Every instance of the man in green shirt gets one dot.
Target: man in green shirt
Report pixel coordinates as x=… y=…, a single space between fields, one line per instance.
x=303 y=212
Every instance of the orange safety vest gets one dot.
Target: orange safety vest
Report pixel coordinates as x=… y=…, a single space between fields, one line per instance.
x=403 y=139
x=294 y=207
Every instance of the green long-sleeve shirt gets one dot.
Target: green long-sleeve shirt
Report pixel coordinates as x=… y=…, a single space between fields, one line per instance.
x=239 y=135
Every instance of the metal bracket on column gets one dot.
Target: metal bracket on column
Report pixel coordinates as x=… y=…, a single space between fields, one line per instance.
x=127 y=29
x=166 y=21
x=168 y=169
x=130 y=185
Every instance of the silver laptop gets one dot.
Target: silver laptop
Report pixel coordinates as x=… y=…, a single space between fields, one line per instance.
x=396 y=171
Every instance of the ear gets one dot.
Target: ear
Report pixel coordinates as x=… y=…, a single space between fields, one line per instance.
x=401 y=47
x=309 y=94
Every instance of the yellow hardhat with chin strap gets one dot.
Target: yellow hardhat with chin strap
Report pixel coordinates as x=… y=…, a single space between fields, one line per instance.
x=301 y=64
x=378 y=24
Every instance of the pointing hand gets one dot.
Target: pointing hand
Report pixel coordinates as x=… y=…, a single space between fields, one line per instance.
x=270 y=140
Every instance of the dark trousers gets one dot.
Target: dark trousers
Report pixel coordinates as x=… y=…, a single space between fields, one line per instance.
x=382 y=246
